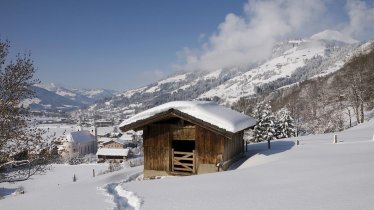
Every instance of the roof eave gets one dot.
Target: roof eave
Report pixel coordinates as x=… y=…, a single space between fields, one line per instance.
x=139 y=125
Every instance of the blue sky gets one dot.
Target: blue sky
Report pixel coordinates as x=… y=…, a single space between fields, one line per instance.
x=127 y=44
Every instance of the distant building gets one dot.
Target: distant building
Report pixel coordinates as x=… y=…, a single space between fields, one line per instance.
x=103 y=123
x=112 y=154
x=79 y=143
x=114 y=143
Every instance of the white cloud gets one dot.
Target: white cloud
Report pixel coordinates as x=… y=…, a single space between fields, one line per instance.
x=242 y=40
x=147 y=77
x=361 y=19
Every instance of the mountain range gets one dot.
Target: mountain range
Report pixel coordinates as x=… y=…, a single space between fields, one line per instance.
x=291 y=62
x=52 y=97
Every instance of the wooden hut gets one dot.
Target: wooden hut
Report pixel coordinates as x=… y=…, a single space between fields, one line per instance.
x=189 y=137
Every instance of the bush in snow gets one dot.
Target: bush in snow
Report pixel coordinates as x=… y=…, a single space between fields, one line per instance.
x=114 y=166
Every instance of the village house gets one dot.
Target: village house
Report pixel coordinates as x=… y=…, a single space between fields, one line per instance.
x=115 y=148
x=117 y=154
x=189 y=137
x=114 y=143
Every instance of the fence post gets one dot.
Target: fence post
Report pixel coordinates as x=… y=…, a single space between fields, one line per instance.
x=172 y=160
x=193 y=162
x=335 y=139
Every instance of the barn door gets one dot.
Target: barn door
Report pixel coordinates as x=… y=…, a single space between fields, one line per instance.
x=183 y=156
x=183 y=162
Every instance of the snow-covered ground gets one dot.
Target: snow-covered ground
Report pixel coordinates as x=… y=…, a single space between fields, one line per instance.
x=314 y=175
x=56 y=189
x=317 y=174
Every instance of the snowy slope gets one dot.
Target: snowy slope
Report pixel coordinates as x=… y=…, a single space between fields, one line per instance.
x=316 y=56
x=182 y=86
x=282 y=66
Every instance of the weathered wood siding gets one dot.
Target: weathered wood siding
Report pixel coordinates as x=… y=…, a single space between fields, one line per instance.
x=208 y=145
x=157 y=147
x=234 y=146
x=183 y=133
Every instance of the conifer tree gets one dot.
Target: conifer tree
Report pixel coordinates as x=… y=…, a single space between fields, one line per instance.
x=285 y=124
x=265 y=127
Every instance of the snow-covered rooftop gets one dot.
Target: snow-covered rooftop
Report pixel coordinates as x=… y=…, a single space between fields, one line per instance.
x=80 y=137
x=112 y=152
x=209 y=112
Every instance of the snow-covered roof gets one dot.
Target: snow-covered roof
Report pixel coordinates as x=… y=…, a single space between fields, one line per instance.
x=207 y=111
x=112 y=152
x=80 y=137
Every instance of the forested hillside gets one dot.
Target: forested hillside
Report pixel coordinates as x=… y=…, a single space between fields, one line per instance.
x=326 y=103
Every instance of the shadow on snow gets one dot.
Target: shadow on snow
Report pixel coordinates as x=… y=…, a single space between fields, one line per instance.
x=277 y=146
x=7 y=191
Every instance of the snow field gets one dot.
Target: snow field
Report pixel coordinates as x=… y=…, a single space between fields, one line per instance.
x=315 y=175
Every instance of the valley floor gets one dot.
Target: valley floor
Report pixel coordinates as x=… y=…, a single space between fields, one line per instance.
x=314 y=175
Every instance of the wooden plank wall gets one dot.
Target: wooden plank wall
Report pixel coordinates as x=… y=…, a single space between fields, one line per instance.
x=157 y=147
x=234 y=146
x=208 y=145
x=183 y=133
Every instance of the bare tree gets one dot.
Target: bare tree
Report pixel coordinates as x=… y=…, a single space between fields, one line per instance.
x=24 y=149
x=359 y=75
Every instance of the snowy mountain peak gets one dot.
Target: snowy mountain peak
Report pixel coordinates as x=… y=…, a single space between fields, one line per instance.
x=332 y=35
x=48 y=86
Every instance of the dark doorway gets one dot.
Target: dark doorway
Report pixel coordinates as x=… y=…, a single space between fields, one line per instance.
x=183 y=145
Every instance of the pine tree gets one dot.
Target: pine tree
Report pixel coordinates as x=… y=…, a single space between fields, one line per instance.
x=265 y=127
x=285 y=124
